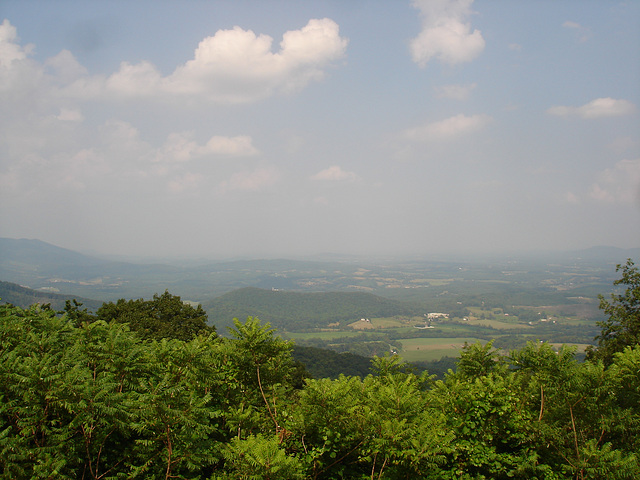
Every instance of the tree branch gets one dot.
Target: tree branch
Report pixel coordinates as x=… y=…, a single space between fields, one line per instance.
x=266 y=401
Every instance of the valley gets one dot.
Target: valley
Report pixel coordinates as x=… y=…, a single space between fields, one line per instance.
x=363 y=306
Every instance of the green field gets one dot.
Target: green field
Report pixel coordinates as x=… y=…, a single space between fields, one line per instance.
x=447 y=336
x=428 y=349
x=497 y=324
x=327 y=335
x=385 y=322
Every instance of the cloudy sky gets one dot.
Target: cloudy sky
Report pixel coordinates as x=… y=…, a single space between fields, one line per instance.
x=276 y=128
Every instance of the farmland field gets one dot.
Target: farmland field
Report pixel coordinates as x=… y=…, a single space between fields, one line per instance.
x=326 y=335
x=428 y=349
x=381 y=323
x=497 y=324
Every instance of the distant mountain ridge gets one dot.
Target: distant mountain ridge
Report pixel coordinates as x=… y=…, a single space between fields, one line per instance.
x=46 y=267
x=40 y=265
x=44 y=255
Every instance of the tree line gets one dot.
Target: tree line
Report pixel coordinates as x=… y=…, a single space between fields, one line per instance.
x=148 y=395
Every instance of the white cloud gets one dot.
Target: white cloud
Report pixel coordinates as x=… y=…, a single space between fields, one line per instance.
x=572 y=198
x=240 y=145
x=335 y=173
x=600 y=107
x=19 y=76
x=180 y=147
x=570 y=24
x=258 y=179
x=121 y=136
x=70 y=115
x=188 y=181
x=53 y=150
x=583 y=32
x=446 y=34
x=142 y=79
x=232 y=66
x=455 y=92
x=38 y=176
x=620 y=184
x=75 y=172
x=449 y=128
x=65 y=68
x=237 y=66
x=10 y=51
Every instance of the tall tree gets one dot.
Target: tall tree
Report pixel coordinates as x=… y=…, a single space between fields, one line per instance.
x=622 y=328
x=165 y=316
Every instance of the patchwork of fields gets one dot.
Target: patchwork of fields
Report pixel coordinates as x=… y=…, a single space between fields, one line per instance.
x=363 y=306
x=417 y=340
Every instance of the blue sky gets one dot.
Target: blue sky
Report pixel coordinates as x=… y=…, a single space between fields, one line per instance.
x=288 y=128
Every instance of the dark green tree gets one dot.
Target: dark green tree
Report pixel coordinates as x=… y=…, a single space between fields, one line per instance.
x=258 y=372
x=95 y=401
x=622 y=328
x=477 y=360
x=578 y=425
x=76 y=315
x=165 y=316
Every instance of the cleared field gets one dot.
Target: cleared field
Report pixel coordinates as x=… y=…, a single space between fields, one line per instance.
x=425 y=349
x=438 y=282
x=375 y=323
x=330 y=335
x=497 y=324
x=581 y=347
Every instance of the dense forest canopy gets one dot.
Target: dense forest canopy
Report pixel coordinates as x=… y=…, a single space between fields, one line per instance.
x=299 y=311
x=98 y=396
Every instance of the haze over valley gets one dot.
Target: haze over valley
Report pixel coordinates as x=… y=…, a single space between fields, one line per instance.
x=423 y=309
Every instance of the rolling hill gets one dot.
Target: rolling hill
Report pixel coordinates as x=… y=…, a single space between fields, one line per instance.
x=25 y=297
x=296 y=311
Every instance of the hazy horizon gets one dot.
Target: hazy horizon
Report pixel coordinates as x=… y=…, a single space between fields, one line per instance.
x=291 y=129
x=608 y=253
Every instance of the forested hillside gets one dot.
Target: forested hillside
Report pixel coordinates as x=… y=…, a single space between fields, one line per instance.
x=295 y=311
x=23 y=297
x=111 y=397
x=323 y=363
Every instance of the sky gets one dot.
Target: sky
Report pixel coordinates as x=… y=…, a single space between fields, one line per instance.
x=289 y=128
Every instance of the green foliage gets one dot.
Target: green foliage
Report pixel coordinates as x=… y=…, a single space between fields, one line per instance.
x=76 y=315
x=379 y=427
x=95 y=401
x=389 y=365
x=622 y=328
x=259 y=375
x=492 y=430
x=323 y=363
x=578 y=421
x=86 y=398
x=260 y=458
x=165 y=316
x=624 y=379
x=409 y=439
x=477 y=360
